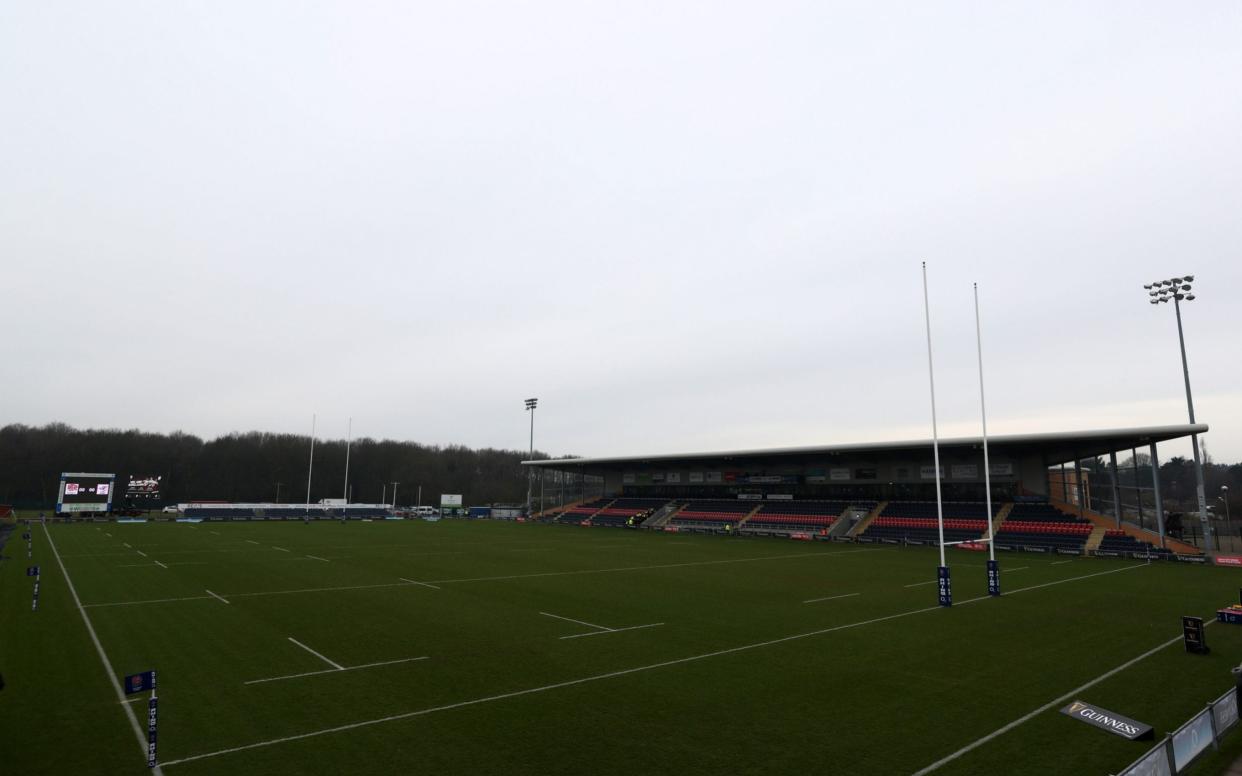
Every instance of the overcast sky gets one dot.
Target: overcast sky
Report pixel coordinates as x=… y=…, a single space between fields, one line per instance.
x=683 y=226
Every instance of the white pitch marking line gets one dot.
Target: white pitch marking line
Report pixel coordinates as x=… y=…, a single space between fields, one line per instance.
x=282 y=549
x=334 y=664
x=1051 y=704
x=217 y=533
x=1059 y=562
x=929 y=582
x=161 y=565
x=316 y=557
x=252 y=541
x=1019 y=568
x=477 y=579
x=127 y=545
x=612 y=630
x=335 y=671
x=577 y=622
x=107 y=534
x=217 y=597
x=827 y=554
x=830 y=598
x=150 y=601
x=416 y=582
x=140 y=552
x=103 y=657
x=614 y=674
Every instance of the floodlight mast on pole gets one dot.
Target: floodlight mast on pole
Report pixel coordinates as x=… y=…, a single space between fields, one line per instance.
x=1179 y=290
x=943 y=588
x=993 y=568
x=530 y=472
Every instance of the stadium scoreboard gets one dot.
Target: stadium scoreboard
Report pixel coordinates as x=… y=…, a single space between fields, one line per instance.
x=85 y=492
x=143 y=487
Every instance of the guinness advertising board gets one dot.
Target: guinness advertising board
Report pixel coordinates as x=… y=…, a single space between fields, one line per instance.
x=1108 y=720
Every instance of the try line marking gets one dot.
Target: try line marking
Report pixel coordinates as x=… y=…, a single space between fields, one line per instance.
x=103 y=657
x=622 y=672
x=218 y=598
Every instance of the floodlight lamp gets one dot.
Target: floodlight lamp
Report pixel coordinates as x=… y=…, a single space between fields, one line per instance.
x=1185 y=286
x=1190 y=278
x=1155 y=301
x=1175 y=281
x=1190 y=297
x=1147 y=286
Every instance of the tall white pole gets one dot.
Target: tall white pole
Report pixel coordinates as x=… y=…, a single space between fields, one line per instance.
x=311 y=468
x=349 y=438
x=983 y=410
x=935 y=436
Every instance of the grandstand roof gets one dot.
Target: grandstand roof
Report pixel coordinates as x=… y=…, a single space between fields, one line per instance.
x=1056 y=446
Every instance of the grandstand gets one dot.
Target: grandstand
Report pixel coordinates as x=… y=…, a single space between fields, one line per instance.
x=884 y=492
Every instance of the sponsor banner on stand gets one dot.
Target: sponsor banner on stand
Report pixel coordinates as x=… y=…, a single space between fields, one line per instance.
x=967 y=471
x=1111 y=721
x=973 y=546
x=673 y=477
x=1001 y=469
x=837 y=475
x=627 y=478
x=1192 y=739
x=714 y=478
x=696 y=477
x=929 y=472
x=139 y=682
x=1228 y=560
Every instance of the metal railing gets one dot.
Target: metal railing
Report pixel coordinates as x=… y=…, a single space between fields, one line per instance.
x=1183 y=746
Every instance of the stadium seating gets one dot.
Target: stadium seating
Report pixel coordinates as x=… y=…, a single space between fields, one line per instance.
x=582 y=511
x=1041 y=527
x=621 y=511
x=797 y=515
x=917 y=522
x=1118 y=542
x=712 y=514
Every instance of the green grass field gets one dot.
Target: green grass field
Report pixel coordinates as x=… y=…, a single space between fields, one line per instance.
x=733 y=673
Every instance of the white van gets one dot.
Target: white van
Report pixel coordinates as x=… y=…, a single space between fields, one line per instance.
x=425 y=511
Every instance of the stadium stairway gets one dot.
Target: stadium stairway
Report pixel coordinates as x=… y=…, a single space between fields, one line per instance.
x=1142 y=534
x=748 y=516
x=1001 y=516
x=862 y=525
x=661 y=518
x=1094 y=539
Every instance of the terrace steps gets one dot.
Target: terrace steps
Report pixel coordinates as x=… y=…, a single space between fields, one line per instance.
x=862 y=525
x=1093 y=541
x=666 y=513
x=748 y=516
x=1001 y=516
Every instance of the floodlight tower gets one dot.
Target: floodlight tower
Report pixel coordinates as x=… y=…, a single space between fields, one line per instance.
x=530 y=472
x=1179 y=290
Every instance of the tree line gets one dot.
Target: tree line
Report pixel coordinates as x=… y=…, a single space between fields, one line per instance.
x=252 y=467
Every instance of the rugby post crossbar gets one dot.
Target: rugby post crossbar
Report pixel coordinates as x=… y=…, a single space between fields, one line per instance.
x=985 y=540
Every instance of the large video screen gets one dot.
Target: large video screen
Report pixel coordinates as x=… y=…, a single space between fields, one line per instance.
x=142 y=488
x=85 y=492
